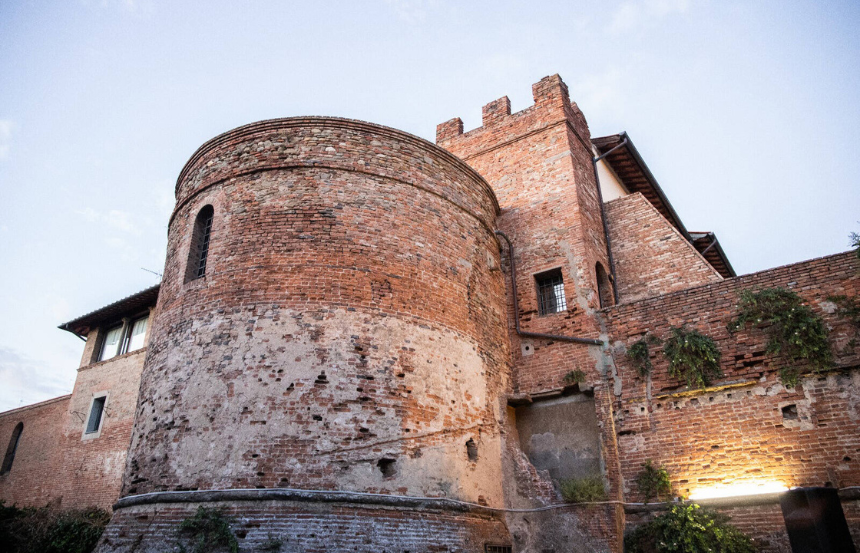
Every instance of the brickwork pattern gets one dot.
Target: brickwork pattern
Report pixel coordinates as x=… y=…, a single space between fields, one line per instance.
x=739 y=432
x=651 y=257
x=56 y=463
x=311 y=528
x=32 y=480
x=349 y=333
x=90 y=470
x=538 y=162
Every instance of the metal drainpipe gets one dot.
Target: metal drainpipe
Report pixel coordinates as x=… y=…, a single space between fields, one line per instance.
x=594 y=162
x=522 y=332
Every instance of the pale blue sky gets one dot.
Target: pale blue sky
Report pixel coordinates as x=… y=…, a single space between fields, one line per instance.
x=746 y=112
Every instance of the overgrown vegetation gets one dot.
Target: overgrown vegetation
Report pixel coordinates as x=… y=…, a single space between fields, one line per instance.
x=583 y=490
x=653 y=482
x=49 y=530
x=693 y=357
x=797 y=337
x=639 y=354
x=688 y=529
x=574 y=377
x=855 y=243
x=208 y=530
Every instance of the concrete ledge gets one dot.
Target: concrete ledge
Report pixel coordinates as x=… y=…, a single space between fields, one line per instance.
x=367 y=500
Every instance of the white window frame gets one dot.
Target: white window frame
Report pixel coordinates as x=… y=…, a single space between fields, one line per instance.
x=126 y=327
x=103 y=342
x=93 y=435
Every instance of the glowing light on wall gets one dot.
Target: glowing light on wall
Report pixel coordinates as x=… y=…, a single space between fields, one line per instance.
x=740 y=488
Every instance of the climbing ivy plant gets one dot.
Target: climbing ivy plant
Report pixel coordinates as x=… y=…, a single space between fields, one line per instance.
x=653 y=482
x=693 y=357
x=797 y=336
x=640 y=354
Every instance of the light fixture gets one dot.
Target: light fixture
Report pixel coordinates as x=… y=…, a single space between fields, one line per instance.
x=738 y=489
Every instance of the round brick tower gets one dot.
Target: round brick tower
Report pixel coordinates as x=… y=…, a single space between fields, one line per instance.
x=329 y=351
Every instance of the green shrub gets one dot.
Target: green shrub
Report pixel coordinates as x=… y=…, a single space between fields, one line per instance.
x=693 y=357
x=208 y=531
x=640 y=354
x=796 y=335
x=583 y=490
x=688 y=529
x=653 y=482
x=855 y=243
x=48 y=530
x=574 y=377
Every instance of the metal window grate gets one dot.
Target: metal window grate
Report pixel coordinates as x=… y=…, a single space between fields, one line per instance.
x=488 y=548
x=205 y=233
x=551 y=292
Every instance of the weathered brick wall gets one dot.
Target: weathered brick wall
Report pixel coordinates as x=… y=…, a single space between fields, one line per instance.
x=33 y=479
x=55 y=463
x=91 y=469
x=349 y=333
x=736 y=432
x=310 y=528
x=651 y=257
x=538 y=162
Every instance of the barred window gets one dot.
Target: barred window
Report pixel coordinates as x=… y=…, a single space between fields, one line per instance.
x=199 y=251
x=489 y=548
x=550 y=287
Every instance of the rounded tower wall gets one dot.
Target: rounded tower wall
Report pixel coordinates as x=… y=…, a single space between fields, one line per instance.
x=349 y=332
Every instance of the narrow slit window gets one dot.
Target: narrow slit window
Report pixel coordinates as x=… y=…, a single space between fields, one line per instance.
x=604 y=290
x=96 y=414
x=200 y=238
x=12 y=448
x=550 y=287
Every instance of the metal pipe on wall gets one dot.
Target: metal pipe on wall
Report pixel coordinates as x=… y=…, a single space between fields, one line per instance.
x=520 y=331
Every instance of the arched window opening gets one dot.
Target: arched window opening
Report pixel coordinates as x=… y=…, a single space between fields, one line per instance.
x=199 y=250
x=604 y=288
x=13 y=447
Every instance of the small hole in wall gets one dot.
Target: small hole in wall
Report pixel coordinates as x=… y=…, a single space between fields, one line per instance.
x=789 y=412
x=386 y=467
x=528 y=348
x=472 y=450
x=846 y=458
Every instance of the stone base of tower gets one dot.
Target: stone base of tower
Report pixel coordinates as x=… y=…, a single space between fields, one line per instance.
x=306 y=522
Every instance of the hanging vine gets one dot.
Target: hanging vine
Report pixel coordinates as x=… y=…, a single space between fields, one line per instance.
x=693 y=357
x=797 y=337
x=639 y=354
